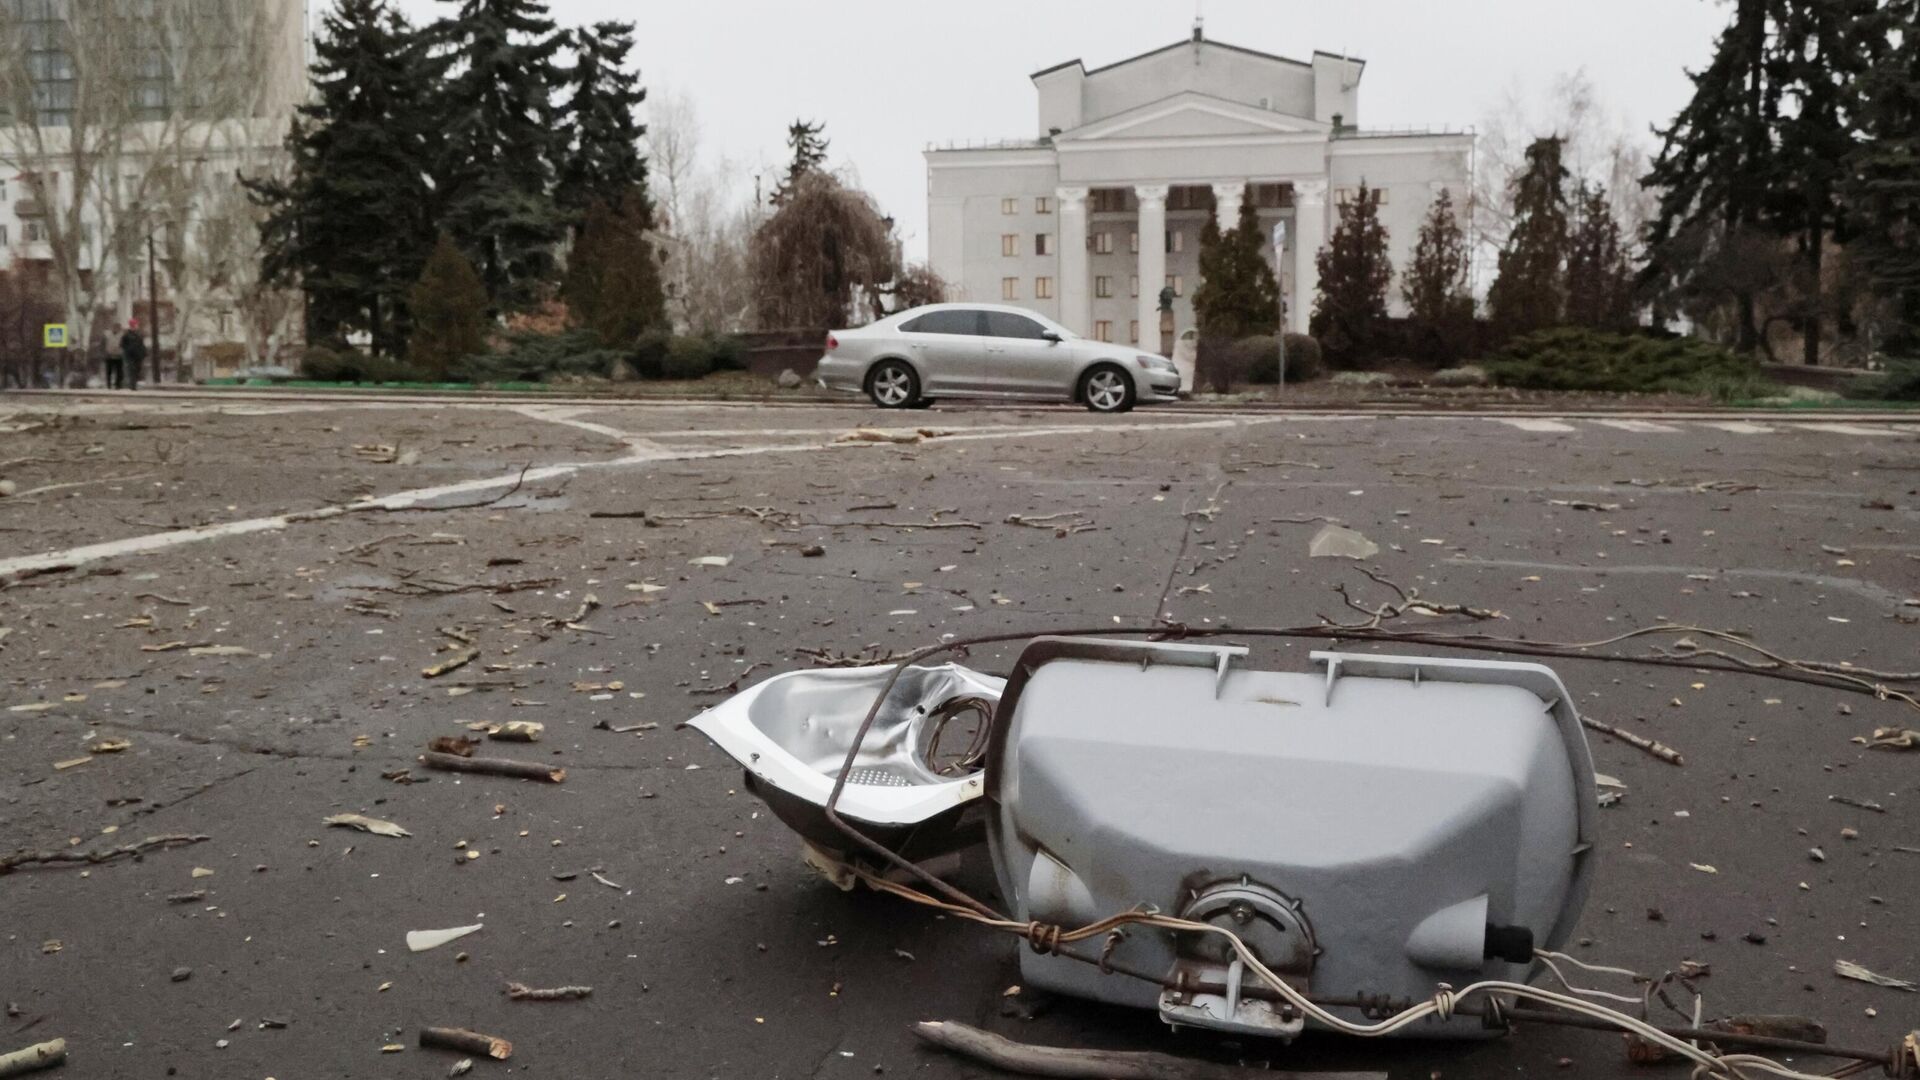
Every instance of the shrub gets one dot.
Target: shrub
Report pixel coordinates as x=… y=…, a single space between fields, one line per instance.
x=1258 y=360
x=323 y=364
x=688 y=358
x=534 y=357
x=1574 y=358
x=650 y=353
x=1900 y=382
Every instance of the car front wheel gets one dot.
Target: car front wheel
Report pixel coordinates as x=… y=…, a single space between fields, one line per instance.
x=893 y=385
x=1107 y=389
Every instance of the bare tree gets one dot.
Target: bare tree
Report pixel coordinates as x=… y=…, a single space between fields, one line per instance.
x=673 y=150
x=111 y=112
x=1598 y=148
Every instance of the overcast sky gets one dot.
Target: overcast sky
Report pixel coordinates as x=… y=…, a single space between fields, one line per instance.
x=887 y=77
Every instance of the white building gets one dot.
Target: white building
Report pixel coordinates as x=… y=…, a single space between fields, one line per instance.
x=1146 y=148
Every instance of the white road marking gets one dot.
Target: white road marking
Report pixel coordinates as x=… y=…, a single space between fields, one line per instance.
x=1530 y=424
x=1851 y=429
x=1739 y=427
x=1644 y=427
x=642 y=453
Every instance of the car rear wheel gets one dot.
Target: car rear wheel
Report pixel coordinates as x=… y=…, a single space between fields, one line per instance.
x=1107 y=389
x=893 y=385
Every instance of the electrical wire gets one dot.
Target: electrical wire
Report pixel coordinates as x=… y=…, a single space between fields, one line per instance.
x=1047 y=938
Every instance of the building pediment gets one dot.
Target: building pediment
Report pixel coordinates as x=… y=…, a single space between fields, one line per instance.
x=1192 y=114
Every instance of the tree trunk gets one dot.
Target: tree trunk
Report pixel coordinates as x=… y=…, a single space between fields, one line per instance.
x=1810 y=335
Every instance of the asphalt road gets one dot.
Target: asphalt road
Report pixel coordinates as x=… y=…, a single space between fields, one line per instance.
x=141 y=532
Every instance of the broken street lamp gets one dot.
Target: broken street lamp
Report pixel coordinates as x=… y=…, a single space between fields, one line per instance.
x=1365 y=832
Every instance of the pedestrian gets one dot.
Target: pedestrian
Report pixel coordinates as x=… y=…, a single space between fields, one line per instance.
x=110 y=349
x=133 y=352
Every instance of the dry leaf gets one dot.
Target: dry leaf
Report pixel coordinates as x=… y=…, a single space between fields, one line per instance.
x=422 y=940
x=366 y=824
x=1847 y=969
x=108 y=746
x=458 y=660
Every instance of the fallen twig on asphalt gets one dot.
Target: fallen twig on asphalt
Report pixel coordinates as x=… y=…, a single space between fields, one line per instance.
x=1057 y=1061
x=895 y=524
x=524 y=770
x=1652 y=746
x=1065 y=523
x=872 y=654
x=10 y=863
x=34 y=1058
x=522 y=992
x=1409 y=601
x=467 y=1042
x=461 y=658
x=503 y=496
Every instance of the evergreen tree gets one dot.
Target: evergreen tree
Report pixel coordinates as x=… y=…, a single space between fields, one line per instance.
x=502 y=139
x=1883 y=175
x=1599 y=277
x=1238 y=296
x=1716 y=165
x=603 y=161
x=1819 y=53
x=1354 y=275
x=1529 y=290
x=1435 y=285
x=809 y=146
x=351 y=223
x=613 y=277
x=449 y=311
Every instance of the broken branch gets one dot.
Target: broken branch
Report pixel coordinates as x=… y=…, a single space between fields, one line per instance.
x=1057 y=1061
x=522 y=992
x=57 y=858
x=34 y=1058
x=1652 y=746
x=467 y=1042
x=524 y=770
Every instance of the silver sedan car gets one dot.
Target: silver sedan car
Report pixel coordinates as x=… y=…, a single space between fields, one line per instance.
x=988 y=351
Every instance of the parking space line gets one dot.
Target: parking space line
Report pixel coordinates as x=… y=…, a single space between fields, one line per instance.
x=1535 y=425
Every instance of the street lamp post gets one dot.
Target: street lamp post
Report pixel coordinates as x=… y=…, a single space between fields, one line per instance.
x=1280 y=335
x=153 y=304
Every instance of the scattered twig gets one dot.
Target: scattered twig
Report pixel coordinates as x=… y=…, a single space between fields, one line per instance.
x=1652 y=746
x=524 y=770
x=1077 y=1064
x=1409 y=602
x=828 y=658
x=522 y=992
x=461 y=658
x=502 y=497
x=162 y=599
x=457 y=745
x=19 y=859
x=467 y=1042
x=895 y=524
x=732 y=686
x=34 y=1058
x=1863 y=804
x=43 y=489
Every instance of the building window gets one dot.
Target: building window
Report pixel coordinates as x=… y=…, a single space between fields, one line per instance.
x=1109 y=200
x=1272 y=196
x=1103 y=286
x=1010 y=244
x=1176 y=240
x=1103 y=243
x=1043 y=288
x=3 y=191
x=1175 y=283
x=1103 y=330
x=1009 y=288
x=1345 y=195
x=1043 y=243
x=1009 y=206
x=1133 y=332
x=1190 y=197
x=1042 y=204
x=3 y=236
x=1133 y=243
x=31 y=232
x=1133 y=286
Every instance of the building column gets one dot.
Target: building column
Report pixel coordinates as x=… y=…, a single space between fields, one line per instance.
x=1309 y=233
x=1075 y=292
x=1153 y=260
x=1226 y=204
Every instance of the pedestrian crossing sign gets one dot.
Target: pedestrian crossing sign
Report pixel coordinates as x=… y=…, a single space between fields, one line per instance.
x=54 y=335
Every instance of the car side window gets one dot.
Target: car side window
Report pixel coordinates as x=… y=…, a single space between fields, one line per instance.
x=1003 y=324
x=945 y=322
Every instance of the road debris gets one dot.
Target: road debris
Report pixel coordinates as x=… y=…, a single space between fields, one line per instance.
x=1893 y=738
x=19 y=859
x=422 y=940
x=459 y=659
x=1340 y=542
x=457 y=745
x=522 y=992
x=1862 y=804
x=365 y=824
x=524 y=770
x=716 y=561
x=34 y=1058
x=467 y=1042
x=517 y=731
x=1652 y=746
x=1009 y=1056
x=1847 y=969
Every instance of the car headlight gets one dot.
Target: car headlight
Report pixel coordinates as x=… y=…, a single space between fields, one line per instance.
x=1160 y=362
